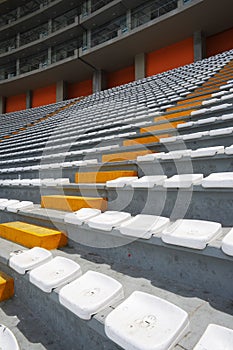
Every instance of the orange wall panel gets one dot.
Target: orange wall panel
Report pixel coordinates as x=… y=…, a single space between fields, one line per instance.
x=120 y=77
x=44 y=96
x=170 y=57
x=83 y=88
x=219 y=42
x=15 y=103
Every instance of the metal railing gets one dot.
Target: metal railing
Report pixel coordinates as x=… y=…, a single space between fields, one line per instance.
x=97 y=4
x=41 y=61
x=26 y=9
x=64 y=20
x=147 y=12
x=109 y=31
x=34 y=34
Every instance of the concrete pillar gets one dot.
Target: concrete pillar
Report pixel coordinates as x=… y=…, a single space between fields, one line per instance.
x=199 y=45
x=18 y=40
x=86 y=40
x=98 y=81
x=18 y=11
x=29 y=99
x=128 y=20
x=180 y=3
x=49 y=55
x=61 y=91
x=86 y=8
x=17 y=67
x=50 y=26
x=2 y=104
x=140 y=66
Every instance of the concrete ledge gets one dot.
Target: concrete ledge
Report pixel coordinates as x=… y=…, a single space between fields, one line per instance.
x=192 y=203
x=203 y=165
x=213 y=204
x=209 y=270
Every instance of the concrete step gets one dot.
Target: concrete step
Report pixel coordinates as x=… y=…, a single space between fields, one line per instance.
x=73 y=203
x=101 y=176
x=32 y=235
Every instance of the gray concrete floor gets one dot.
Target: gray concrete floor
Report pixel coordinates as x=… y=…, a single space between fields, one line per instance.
x=29 y=330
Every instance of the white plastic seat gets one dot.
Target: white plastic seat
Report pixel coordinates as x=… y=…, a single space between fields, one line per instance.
x=209 y=102
x=121 y=181
x=227 y=97
x=7 y=339
x=222 y=106
x=15 y=182
x=62 y=181
x=2 y=200
x=108 y=220
x=216 y=338
x=25 y=182
x=90 y=293
x=207 y=151
x=218 y=180
x=36 y=182
x=91 y=161
x=183 y=181
x=19 y=206
x=227 y=243
x=222 y=131
x=226 y=86
x=149 y=157
x=219 y=93
x=7 y=182
x=194 y=234
x=206 y=121
x=168 y=139
x=199 y=111
x=176 y=154
x=54 y=273
x=146 y=322
x=229 y=150
x=29 y=259
x=143 y=226
x=82 y=215
x=196 y=135
x=185 y=125
x=149 y=181
x=4 y=204
x=228 y=116
x=48 y=182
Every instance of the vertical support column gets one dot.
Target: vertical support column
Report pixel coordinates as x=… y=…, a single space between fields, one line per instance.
x=18 y=11
x=50 y=26
x=18 y=40
x=89 y=7
x=180 y=3
x=128 y=20
x=17 y=67
x=89 y=39
x=199 y=45
x=2 y=104
x=49 y=55
x=86 y=40
x=61 y=91
x=140 y=66
x=86 y=8
x=29 y=99
x=98 y=81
